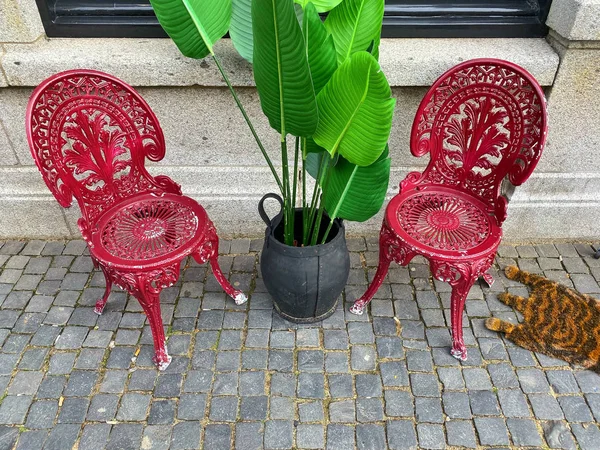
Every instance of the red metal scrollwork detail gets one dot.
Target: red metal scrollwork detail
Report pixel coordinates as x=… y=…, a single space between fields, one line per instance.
x=392 y=247
x=481 y=122
x=89 y=134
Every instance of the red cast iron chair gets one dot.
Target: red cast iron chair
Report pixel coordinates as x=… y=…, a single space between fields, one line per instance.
x=481 y=121
x=89 y=134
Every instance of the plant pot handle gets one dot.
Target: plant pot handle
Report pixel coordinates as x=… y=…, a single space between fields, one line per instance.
x=261 y=210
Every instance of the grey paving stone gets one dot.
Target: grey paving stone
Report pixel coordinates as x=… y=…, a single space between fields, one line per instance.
x=311 y=411
x=484 y=403
x=259 y=318
x=307 y=337
x=282 y=339
x=336 y=362
x=281 y=360
x=95 y=436
x=8 y=363
x=42 y=414
x=451 y=378
x=253 y=408
x=587 y=435
x=438 y=337
x=521 y=357
x=342 y=411
x=428 y=410
x=431 y=436
x=283 y=384
x=27 y=440
x=588 y=381
x=51 y=387
x=310 y=360
x=361 y=333
x=340 y=436
x=362 y=358
x=575 y=408
x=134 y=407
x=389 y=347
x=398 y=404
x=90 y=358
x=557 y=435
x=503 y=376
x=370 y=436
x=424 y=385
x=248 y=436
x=477 y=379
x=340 y=386
x=368 y=385
x=25 y=383
x=524 y=433
x=257 y=338
x=168 y=385
x=310 y=436
x=14 y=409
x=562 y=381
x=186 y=435
x=81 y=383
x=311 y=385
x=545 y=407
x=281 y=408
x=460 y=433
x=73 y=410
x=62 y=436
x=491 y=431
x=33 y=359
x=223 y=409
x=335 y=339
x=252 y=383
x=114 y=381
x=457 y=405
x=419 y=361
x=594 y=402
x=156 y=437
x=198 y=381
x=401 y=434
x=191 y=407
x=369 y=410
x=413 y=330
x=162 y=412
x=533 y=381
x=254 y=359
x=103 y=408
x=125 y=435
x=278 y=434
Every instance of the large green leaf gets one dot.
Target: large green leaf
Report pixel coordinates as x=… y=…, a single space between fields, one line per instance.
x=194 y=25
x=319 y=47
x=355 y=111
x=320 y=5
x=366 y=190
x=240 y=29
x=354 y=24
x=281 y=68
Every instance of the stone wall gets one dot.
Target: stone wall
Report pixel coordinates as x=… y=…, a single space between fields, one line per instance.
x=212 y=154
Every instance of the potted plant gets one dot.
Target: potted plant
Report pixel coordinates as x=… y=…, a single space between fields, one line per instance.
x=322 y=89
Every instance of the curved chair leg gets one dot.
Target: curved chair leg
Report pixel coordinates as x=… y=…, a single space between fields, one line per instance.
x=209 y=251
x=382 y=269
x=101 y=303
x=150 y=302
x=238 y=296
x=460 y=290
x=391 y=248
x=488 y=278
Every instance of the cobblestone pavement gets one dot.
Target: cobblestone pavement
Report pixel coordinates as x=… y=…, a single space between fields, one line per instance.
x=242 y=377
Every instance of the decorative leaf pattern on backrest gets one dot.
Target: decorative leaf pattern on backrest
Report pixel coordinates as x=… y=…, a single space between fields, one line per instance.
x=89 y=134
x=481 y=121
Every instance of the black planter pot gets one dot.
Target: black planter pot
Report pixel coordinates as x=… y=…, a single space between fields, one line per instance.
x=304 y=282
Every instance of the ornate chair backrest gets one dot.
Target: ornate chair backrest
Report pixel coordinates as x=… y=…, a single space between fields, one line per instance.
x=481 y=121
x=89 y=134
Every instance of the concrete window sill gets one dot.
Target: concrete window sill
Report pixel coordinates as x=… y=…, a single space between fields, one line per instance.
x=157 y=62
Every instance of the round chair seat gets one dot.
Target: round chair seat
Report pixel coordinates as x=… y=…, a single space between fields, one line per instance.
x=443 y=220
x=149 y=229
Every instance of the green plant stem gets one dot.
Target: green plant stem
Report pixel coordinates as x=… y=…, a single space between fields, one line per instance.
x=323 y=182
x=288 y=224
x=313 y=203
x=339 y=204
x=247 y=119
x=295 y=185
x=304 y=206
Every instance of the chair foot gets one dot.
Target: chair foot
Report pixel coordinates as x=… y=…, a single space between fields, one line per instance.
x=240 y=298
x=100 y=304
x=488 y=278
x=459 y=353
x=161 y=358
x=359 y=307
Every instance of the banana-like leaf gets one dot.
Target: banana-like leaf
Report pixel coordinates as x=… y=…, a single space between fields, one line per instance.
x=240 y=29
x=319 y=47
x=354 y=24
x=281 y=68
x=321 y=5
x=355 y=111
x=366 y=192
x=311 y=147
x=194 y=25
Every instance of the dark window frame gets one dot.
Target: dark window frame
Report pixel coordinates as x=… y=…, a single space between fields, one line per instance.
x=403 y=18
